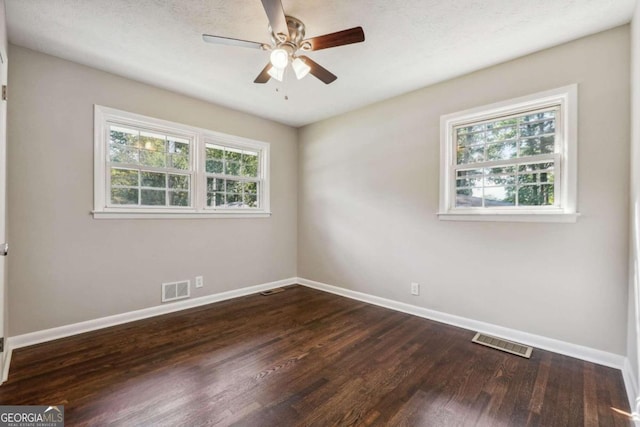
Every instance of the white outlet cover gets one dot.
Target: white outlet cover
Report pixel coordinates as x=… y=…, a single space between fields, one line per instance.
x=415 y=288
x=199 y=281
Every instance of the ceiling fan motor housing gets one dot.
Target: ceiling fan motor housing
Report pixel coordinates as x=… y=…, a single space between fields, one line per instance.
x=293 y=41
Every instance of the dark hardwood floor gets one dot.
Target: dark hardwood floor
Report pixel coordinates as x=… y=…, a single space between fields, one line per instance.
x=304 y=357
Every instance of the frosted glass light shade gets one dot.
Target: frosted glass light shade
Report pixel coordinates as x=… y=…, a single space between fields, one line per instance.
x=276 y=73
x=300 y=68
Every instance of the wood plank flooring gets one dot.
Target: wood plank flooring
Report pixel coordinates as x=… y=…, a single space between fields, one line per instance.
x=305 y=357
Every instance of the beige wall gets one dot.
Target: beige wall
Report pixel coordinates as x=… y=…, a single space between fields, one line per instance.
x=634 y=253
x=368 y=197
x=66 y=267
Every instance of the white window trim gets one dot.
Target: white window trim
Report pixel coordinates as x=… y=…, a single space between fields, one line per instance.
x=567 y=98
x=199 y=136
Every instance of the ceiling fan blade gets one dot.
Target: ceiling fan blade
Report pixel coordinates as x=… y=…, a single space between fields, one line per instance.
x=340 y=38
x=319 y=71
x=264 y=76
x=232 y=42
x=275 y=13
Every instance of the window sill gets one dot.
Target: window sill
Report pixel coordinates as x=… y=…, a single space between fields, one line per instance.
x=510 y=216
x=177 y=215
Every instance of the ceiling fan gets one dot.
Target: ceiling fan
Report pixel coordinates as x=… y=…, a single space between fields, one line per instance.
x=287 y=39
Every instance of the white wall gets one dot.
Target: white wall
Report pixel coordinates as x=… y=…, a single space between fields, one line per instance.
x=634 y=255
x=368 y=197
x=67 y=267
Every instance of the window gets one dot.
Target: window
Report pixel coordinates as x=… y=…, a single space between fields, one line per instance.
x=514 y=161
x=232 y=177
x=149 y=168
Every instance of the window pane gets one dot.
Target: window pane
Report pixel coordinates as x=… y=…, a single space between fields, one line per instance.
x=499 y=196
x=469 y=182
x=123 y=154
x=539 y=116
x=127 y=177
x=469 y=198
x=539 y=128
x=534 y=146
x=153 y=141
x=502 y=123
x=249 y=164
x=499 y=180
x=528 y=178
x=233 y=154
x=215 y=184
x=215 y=152
x=215 y=166
x=121 y=136
x=546 y=177
x=179 y=198
x=532 y=167
x=536 y=195
x=124 y=196
x=178 y=145
x=179 y=182
x=232 y=168
x=234 y=200
x=153 y=179
x=178 y=161
x=219 y=199
x=152 y=158
x=153 y=197
x=533 y=178
x=471 y=139
x=471 y=155
x=233 y=186
x=501 y=151
x=250 y=187
x=501 y=170
x=470 y=129
x=251 y=200
x=470 y=173
x=501 y=134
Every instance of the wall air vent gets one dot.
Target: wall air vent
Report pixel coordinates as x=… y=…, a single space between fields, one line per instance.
x=176 y=290
x=503 y=345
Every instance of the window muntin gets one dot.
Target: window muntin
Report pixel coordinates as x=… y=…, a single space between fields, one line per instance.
x=513 y=161
x=148 y=168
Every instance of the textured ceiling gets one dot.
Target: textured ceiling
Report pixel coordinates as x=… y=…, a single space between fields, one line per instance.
x=409 y=44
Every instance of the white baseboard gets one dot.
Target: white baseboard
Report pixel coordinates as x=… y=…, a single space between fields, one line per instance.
x=545 y=343
x=118 y=319
x=5 y=363
x=631 y=385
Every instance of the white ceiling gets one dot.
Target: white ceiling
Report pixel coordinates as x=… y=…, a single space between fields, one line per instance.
x=409 y=44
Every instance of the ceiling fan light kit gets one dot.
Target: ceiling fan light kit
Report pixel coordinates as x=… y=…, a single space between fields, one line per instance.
x=279 y=58
x=287 y=38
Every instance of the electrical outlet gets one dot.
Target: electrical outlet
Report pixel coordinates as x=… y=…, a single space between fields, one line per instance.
x=415 y=288
x=199 y=281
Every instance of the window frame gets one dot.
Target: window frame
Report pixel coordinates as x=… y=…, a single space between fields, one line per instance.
x=565 y=158
x=199 y=138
